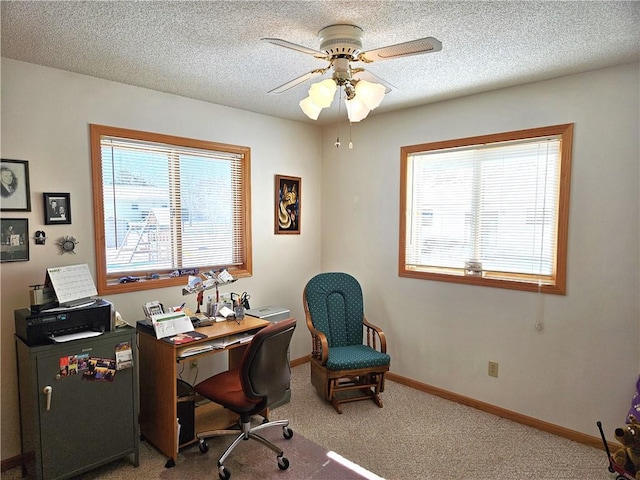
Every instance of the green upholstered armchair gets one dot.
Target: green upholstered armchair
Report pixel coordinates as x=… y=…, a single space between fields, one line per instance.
x=348 y=357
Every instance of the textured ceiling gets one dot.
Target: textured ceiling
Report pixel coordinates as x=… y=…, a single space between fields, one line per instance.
x=211 y=50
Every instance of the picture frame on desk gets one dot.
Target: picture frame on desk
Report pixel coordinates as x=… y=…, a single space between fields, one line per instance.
x=14 y=239
x=288 y=203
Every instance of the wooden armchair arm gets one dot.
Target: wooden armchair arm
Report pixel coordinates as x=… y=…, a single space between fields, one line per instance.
x=319 y=343
x=374 y=331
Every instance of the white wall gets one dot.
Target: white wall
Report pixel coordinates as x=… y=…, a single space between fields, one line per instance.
x=583 y=366
x=45 y=118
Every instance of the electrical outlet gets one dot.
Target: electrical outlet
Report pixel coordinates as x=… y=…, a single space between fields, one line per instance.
x=493 y=369
x=194 y=363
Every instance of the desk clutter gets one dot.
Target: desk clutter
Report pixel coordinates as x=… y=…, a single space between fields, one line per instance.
x=178 y=324
x=216 y=306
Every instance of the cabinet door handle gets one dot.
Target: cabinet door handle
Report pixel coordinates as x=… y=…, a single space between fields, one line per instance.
x=47 y=391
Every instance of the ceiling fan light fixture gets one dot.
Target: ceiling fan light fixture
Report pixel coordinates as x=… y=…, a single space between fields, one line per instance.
x=310 y=109
x=356 y=109
x=371 y=94
x=340 y=45
x=322 y=93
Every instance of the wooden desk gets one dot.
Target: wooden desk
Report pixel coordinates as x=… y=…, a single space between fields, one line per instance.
x=158 y=384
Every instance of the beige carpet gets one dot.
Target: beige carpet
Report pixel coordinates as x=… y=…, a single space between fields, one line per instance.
x=308 y=461
x=415 y=436
x=249 y=460
x=421 y=436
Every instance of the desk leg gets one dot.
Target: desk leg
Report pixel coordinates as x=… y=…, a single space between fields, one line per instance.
x=158 y=395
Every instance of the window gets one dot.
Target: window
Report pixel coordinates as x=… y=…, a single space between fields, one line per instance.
x=165 y=205
x=489 y=210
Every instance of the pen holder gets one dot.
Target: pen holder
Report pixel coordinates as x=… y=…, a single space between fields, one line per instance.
x=238 y=310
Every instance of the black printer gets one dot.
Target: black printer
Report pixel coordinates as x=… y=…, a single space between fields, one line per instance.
x=39 y=328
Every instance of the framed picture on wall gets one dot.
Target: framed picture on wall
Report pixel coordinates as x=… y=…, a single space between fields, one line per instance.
x=15 y=240
x=14 y=186
x=57 y=208
x=288 y=204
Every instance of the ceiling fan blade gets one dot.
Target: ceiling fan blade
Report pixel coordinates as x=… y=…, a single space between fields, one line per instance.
x=297 y=81
x=370 y=77
x=296 y=47
x=414 y=47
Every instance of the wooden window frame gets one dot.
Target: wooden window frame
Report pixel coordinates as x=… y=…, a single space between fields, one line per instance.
x=108 y=284
x=525 y=282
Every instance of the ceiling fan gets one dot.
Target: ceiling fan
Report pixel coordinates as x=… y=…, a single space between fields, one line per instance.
x=341 y=45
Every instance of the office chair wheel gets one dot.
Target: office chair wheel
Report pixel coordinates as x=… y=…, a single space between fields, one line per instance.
x=283 y=463
x=223 y=473
x=287 y=433
x=203 y=446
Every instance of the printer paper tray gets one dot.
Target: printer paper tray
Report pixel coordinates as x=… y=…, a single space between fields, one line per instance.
x=74 y=336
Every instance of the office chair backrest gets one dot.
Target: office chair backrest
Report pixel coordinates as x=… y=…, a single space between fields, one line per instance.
x=336 y=307
x=265 y=370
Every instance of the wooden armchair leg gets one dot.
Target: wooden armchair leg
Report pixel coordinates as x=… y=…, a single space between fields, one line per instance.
x=334 y=387
x=336 y=404
x=320 y=381
x=379 y=382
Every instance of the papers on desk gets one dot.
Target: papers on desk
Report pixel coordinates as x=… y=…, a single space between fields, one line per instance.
x=198 y=349
x=231 y=339
x=170 y=324
x=217 y=344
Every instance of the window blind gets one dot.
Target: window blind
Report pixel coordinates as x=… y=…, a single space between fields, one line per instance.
x=494 y=203
x=170 y=207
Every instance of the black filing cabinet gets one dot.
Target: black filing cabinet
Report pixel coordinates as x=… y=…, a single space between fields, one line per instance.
x=76 y=411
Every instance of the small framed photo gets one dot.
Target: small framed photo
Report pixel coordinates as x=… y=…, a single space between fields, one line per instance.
x=14 y=186
x=288 y=204
x=57 y=208
x=14 y=239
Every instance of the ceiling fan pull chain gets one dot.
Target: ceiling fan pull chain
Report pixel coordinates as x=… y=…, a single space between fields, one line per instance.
x=350 y=142
x=339 y=102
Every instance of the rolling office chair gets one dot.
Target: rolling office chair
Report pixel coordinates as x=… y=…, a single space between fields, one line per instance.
x=341 y=363
x=260 y=380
